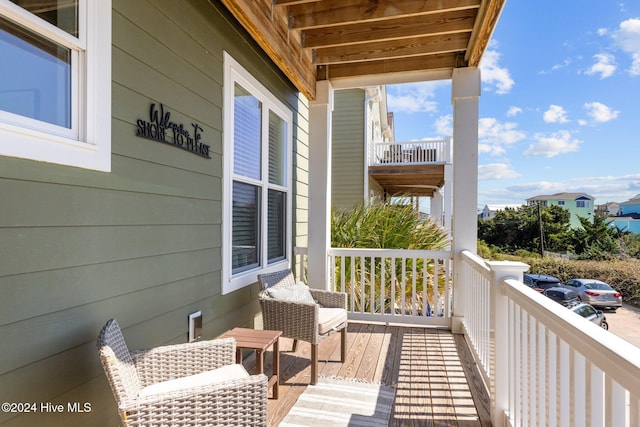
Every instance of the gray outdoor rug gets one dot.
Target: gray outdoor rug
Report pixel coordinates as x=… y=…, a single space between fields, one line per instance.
x=342 y=402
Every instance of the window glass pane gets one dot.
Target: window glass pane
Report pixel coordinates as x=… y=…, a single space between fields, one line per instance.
x=36 y=76
x=276 y=226
x=246 y=126
x=277 y=152
x=245 y=229
x=61 y=13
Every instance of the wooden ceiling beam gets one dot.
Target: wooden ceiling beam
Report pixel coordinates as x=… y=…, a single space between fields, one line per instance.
x=343 y=12
x=445 y=61
x=396 y=49
x=393 y=29
x=273 y=36
x=486 y=22
x=292 y=2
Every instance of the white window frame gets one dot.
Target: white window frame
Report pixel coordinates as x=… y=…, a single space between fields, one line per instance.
x=235 y=73
x=88 y=143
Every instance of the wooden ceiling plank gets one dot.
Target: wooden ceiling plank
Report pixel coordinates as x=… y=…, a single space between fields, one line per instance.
x=361 y=69
x=342 y=12
x=393 y=49
x=284 y=3
x=275 y=41
x=486 y=22
x=400 y=28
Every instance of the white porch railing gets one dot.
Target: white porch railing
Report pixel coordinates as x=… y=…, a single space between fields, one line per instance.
x=394 y=285
x=409 y=153
x=544 y=365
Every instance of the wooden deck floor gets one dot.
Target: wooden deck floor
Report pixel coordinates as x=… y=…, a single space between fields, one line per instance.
x=435 y=379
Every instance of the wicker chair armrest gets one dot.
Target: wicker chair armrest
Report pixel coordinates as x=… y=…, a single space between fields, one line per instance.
x=235 y=402
x=296 y=320
x=180 y=360
x=330 y=298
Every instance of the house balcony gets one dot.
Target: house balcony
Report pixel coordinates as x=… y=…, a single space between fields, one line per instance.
x=508 y=357
x=415 y=168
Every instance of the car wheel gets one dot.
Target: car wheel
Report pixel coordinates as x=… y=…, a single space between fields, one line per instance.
x=605 y=326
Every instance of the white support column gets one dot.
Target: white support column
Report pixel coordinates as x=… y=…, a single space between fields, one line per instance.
x=319 y=185
x=435 y=209
x=465 y=93
x=447 y=203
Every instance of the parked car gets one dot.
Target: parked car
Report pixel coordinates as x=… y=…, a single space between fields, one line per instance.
x=540 y=282
x=595 y=292
x=588 y=312
x=562 y=296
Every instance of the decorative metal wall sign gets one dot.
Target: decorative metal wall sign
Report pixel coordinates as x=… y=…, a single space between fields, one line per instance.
x=160 y=128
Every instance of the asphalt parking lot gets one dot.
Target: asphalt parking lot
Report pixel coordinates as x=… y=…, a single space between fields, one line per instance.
x=625 y=323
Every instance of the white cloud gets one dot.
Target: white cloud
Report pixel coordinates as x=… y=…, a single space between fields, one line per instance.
x=444 y=125
x=491 y=149
x=496 y=171
x=605 y=65
x=600 y=112
x=513 y=111
x=608 y=188
x=627 y=37
x=414 y=97
x=490 y=130
x=562 y=65
x=552 y=145
x=555 y=114
x=603 y=188
x=494 y=74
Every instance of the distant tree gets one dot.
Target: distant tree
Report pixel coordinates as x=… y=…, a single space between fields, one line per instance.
x=596 y=239
x=514 y=229
x=629 y=243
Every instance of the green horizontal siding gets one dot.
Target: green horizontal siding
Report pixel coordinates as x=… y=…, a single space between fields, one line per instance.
x=143 y=242
x=347 y=159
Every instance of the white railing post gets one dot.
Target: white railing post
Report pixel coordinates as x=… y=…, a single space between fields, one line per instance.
x=499 y=325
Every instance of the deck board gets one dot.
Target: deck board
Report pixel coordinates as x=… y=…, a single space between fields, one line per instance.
x=435 y=378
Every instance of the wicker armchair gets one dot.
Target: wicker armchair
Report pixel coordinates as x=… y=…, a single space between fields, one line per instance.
x=310 y=321
x=195 y=384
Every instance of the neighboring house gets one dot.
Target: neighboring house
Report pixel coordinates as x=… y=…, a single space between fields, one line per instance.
x=578 y=205
x=608 y=209
x=155 y=157
x=359 y=116
x=382 y=168
x=489 y=211
x=628 y=217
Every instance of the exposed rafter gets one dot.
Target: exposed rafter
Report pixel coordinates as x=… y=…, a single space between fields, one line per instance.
x=313 y=40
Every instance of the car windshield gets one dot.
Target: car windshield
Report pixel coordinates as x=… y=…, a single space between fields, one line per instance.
x=598 y=286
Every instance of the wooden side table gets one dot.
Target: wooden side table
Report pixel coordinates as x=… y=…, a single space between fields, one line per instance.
x=259 y=341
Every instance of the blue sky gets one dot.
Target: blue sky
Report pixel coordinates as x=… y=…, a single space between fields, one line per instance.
x=560 y=103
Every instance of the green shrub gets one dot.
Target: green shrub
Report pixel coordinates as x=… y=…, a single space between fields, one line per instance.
x=387 y=226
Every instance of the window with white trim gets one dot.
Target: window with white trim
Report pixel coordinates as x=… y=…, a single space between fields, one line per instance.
x=257 y=179
x=55 y=89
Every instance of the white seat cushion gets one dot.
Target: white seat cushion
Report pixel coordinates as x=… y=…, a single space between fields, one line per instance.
x=329 y=318
x=294 y=293
x=225 y=373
